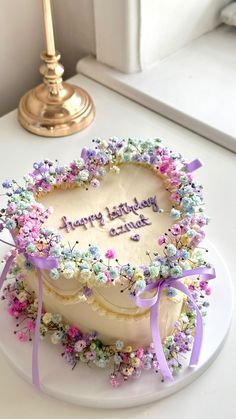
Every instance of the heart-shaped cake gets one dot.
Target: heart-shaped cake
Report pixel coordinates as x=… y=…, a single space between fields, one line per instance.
x=113 y=240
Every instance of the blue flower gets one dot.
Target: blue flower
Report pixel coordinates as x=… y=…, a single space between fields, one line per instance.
x=55 y=251
x=170 y=249
x=171 y=292
x=84 y=266
x=187 y=204
x=176 y=271
x=127 y=270
x=140 y=285
x=146 y=158
x=54 y=273
x=95 y=251
x=185 y=254
x=28 y=265
x=6 y=184
x=67 y=252
x=117 y=359
x=114 y=273
x=175 y=214
x=10 y=224
x=191 y=233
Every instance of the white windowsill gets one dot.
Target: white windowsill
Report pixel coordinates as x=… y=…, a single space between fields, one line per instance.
x=195 y=87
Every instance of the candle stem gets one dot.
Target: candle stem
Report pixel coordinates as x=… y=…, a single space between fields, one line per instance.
x=48 y=27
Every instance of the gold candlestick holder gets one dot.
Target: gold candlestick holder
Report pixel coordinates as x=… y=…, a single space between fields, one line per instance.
x=54 y=108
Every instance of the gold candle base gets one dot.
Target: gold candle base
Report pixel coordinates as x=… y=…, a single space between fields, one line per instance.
x=55 y=108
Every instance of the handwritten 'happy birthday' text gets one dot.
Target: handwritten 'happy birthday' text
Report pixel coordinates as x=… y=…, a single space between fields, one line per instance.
x=116 y=211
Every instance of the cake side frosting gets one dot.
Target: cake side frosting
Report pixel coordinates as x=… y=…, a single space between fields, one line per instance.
x=109 y=323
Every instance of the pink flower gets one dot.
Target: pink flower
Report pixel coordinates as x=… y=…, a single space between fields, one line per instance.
x=20 y=242
x=175 y=197
x=24 y=304
x=21 y=336
x=74 y=169
x=115 y=382
x=69 y=178
x=11 y=310
x=174 y=181
x=110 y=254
x=30 y=324
x=80 y=345
x=108 y=277
x=124 y=357
x=18 y=305
x=69 y=349
x=20 y=276
x=184 y=229
x=90 y=355
x=190 y=177
x=175 y=229
x=11 y=208
x=163 y=168
x=46 y=187
x=21 y=220
x=203 y=285
x=201 y=221
x=73 y=331
x=208 y=291
x=140 y=352
x=161 y=240
x=95 y=183
x=34 y=232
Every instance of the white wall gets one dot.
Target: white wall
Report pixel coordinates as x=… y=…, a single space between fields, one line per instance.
x=167 y=25
x=117 y=33
x=22 y=40
x=74 y=31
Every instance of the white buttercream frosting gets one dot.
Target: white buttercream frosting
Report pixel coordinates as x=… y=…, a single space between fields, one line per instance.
x=111 y=313
x=131 y=182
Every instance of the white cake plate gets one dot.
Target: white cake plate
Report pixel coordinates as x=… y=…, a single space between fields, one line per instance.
x=90 y=386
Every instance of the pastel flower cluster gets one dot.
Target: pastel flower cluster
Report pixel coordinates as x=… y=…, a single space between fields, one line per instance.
x=25 y=218
x=125 y=362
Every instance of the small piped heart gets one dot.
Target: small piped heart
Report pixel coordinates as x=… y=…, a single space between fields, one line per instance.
x=135 y=237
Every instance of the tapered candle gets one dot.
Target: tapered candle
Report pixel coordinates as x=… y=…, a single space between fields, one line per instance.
x=48 y=27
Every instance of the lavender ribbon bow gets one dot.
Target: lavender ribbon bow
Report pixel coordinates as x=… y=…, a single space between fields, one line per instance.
x=153 y=304
x=40 y=263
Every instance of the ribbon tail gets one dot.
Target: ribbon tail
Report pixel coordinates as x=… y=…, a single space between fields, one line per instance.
x=163 y=365
x=196 y=349
x=193 y=165
x=6 y=269
x=35 y=368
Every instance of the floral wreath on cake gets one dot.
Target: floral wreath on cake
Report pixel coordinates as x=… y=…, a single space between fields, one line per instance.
x=42 y=248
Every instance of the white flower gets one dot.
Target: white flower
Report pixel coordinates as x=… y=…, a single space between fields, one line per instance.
x=85 y=274
x=56 y=337
x=47 y=318
x=115 y=169
x=68 y=273
x=22 y=296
